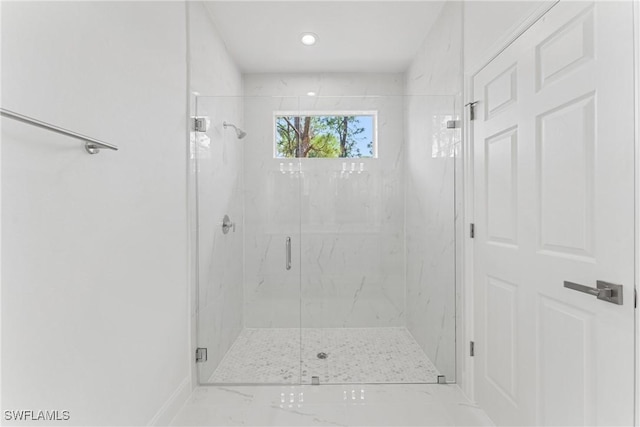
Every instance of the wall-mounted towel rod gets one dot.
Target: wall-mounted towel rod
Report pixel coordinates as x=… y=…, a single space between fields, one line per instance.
x=92 y=145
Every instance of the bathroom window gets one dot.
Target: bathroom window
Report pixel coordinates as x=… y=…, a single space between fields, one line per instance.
x=326 y=135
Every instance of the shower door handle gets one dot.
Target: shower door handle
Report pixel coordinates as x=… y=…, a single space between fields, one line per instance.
x=287 y=253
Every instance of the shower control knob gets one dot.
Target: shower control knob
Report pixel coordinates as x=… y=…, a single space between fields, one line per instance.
x=228 y=225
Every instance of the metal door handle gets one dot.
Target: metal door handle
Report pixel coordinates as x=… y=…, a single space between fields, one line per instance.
x=287 y=253
x=604 y=291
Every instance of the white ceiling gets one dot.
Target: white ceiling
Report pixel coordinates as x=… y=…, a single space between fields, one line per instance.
x=354 y=36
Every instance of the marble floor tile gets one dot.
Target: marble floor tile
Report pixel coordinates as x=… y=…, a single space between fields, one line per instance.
x=467 y=414
x=385 y=414
x=331 y=405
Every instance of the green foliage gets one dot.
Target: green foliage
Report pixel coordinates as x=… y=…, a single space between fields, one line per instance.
x=324 y=145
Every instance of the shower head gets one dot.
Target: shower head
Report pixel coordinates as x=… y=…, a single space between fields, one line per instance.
x=239 y=132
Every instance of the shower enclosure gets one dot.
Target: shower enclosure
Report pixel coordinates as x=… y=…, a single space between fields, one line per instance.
x=331 y=263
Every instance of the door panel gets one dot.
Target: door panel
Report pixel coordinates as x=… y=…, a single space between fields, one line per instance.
x=553 y=159
x=566 y=137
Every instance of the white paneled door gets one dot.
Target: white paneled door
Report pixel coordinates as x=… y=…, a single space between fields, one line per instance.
x=554 y=201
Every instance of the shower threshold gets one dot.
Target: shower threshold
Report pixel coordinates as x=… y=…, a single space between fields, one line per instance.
x=351 y=356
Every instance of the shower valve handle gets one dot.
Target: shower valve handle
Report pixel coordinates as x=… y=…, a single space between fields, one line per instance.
x=227 y=225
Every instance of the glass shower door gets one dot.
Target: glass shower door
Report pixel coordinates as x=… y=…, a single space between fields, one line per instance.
x=378 y=253
x=337 y=261
x=249 y=274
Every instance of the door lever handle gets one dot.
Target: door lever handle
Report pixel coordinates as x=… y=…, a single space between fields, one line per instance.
x=604 y=291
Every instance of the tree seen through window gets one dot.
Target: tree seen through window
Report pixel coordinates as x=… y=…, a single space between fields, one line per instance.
x=325 y=136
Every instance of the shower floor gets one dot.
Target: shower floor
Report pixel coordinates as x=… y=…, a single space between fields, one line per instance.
x=354 y=355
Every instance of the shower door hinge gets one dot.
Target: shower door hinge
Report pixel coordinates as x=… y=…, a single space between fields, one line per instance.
x=442 y=379
x=472 y=110
x=472 y=230
x=472 y=348
x=453 y=124
x=200 y=124
x=201 y=355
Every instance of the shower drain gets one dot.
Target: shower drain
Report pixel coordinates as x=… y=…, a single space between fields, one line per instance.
x=322 y=355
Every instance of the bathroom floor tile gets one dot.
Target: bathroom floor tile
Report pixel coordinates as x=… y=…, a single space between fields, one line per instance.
x=299 y=415
x=467 y=414
x=333 y=405
x=430 y=414
x=212 y=415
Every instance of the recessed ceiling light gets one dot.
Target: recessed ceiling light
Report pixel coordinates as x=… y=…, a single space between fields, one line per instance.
x=309 y=39
x=311 y=94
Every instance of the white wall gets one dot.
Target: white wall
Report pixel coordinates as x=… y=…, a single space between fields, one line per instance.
x=94 y=269
x=487 y=24
x=220 y=157
x=347 y=233
x=430 y=185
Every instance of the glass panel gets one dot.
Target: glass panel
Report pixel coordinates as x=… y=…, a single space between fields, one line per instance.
x=272 y=215
x=430 y=161
x=378 y=260
x=248 y=301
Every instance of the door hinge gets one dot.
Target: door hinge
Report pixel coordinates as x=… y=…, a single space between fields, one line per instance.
x=442 y=379
x=472 y=230
x=200 y=124
x=635 y=298
x=201 y=355
x=472 y=348
x=472 y=109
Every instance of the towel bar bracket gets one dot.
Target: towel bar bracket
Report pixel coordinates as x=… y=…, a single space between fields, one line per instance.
x=91 y=148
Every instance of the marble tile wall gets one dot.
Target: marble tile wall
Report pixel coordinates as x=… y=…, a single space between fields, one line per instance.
x=433 y=152
x=324 y=84
x=346 y=229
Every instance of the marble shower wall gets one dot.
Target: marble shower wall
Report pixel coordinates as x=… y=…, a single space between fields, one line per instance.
x=433 y=160
x=346 y=228
x=218 y=157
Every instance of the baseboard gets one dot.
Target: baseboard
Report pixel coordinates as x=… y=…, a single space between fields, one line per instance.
x=173 y=404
